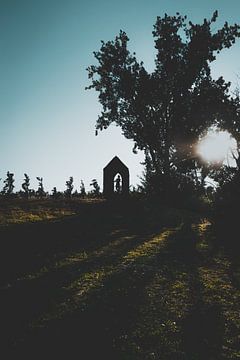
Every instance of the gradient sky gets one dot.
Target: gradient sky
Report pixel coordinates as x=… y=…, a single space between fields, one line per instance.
x=47 y=119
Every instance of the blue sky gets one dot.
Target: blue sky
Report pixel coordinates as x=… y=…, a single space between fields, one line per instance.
x=47 y=119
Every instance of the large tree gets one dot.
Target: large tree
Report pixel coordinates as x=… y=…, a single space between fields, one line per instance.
x=165 y=112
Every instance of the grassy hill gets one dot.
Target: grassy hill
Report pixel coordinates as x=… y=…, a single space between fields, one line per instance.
x=115 y=280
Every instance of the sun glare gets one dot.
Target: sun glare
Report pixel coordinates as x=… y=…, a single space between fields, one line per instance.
x=217 y=146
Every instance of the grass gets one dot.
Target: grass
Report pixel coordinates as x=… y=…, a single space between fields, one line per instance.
x=115 y=281
x=19 y=211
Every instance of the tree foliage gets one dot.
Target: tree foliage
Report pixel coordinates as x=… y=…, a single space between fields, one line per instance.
x=82 y=189
x=8 y=187
x=165 y=112
x=40 y=191
x=25 y=185
x=96 y=187
x=69 y=185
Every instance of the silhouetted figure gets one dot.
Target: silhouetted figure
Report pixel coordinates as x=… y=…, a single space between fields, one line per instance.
x=118 y=184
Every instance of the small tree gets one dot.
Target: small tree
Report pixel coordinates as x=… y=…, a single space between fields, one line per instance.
x=55 y=194
x=25 y=186
x=8 y=187
x=96 y=187
x=40 y=191
x=82 y=189
x=69 y=185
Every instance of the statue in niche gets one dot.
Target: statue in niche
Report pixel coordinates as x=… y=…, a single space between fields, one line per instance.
x=118 y=186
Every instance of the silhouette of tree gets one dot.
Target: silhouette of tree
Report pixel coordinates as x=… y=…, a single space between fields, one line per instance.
x=25 y=185
x=82 y=189
x=165 y=112
x=8 y=187
x=40 y=191
x=55 y=194
x=69 y=185
x=96 y=187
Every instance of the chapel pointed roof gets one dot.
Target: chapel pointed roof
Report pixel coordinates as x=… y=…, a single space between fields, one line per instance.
x=116 y=162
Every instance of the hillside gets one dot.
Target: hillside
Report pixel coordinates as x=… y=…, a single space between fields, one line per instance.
x=115 y=281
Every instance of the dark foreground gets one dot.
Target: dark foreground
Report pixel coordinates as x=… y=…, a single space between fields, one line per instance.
x=117 y=281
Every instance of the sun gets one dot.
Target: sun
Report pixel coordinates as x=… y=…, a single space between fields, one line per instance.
x=216 y=146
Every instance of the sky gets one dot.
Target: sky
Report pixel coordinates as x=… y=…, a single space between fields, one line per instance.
x=47 y=118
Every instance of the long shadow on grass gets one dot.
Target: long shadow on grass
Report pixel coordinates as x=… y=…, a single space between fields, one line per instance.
x=202 y=327
x=175 y=321
x=26 y=299
x=93 y=306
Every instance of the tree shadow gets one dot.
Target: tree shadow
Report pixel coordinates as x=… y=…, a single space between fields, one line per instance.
x=203 y=326
x=202 y=332
x=91 y=305
x=91 y=324
x=106 y=236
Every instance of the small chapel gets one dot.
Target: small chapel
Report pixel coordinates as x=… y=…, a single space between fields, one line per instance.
x=115 y=178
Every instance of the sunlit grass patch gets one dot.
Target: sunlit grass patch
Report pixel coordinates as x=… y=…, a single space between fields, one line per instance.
x=89 y=280
x=149 y=247
x=82 y=287
x=113 y=247
x=77 y=258
x=71 y=259
x=77 y=293
x=167 y=299
x=218 y=288
x=204 y=244
x=20 y=216
x=203 y=226
x=105 y=252
x=156 y=333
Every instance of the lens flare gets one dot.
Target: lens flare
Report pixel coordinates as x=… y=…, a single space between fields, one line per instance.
x=216 y=146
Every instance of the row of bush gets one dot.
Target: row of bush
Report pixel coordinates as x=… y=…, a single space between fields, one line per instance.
x=27 y=192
